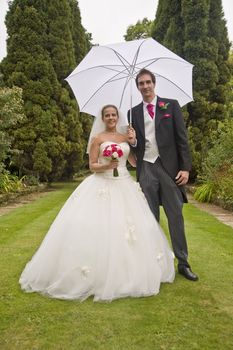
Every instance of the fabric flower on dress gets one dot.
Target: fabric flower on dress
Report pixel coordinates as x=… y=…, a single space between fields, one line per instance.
x=159 y=256
x=130 y=235
x=85 y=270
x=74 y=195
x=103 y=193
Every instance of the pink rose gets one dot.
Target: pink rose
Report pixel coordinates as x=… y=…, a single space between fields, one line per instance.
x=163 y=105
x=120 y=153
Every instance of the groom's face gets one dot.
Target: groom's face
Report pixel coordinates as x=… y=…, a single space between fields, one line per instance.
x=146 y=87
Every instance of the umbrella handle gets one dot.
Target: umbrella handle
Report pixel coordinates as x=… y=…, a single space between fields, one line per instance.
x=130 y=115
x=131 y=102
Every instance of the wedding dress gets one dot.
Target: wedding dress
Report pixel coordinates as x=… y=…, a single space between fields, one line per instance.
x=104 y=243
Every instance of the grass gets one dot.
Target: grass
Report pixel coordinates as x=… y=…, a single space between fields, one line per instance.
x=185 y=315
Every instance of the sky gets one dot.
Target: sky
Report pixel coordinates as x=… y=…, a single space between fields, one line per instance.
x=107 y=20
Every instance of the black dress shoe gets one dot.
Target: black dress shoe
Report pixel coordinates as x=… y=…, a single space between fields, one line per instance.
x=187 y=273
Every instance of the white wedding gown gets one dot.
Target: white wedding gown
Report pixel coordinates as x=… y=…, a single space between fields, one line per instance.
x=104 y=242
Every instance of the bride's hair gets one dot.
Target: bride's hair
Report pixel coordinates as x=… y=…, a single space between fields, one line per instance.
x=99 y=126
x=109 y=106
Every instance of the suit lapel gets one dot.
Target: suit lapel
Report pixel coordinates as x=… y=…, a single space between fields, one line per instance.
x=140 y=119
x=158 y=113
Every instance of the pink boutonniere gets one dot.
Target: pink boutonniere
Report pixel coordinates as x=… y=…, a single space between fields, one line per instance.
x=163 y=105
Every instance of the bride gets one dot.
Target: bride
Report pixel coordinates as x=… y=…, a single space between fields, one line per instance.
x=105 y=241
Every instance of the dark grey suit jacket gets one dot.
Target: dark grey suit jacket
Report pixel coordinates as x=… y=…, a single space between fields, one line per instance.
x=171 y=137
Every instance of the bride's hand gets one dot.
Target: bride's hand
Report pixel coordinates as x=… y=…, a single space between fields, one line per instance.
x=113 y=164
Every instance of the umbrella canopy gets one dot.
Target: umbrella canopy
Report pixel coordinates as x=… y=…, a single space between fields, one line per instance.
x=107 y=75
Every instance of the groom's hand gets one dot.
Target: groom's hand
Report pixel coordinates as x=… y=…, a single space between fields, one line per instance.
x=182 y=177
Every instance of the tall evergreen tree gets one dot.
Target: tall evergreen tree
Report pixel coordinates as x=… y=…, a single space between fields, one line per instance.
x=81 y=39
x=218 y=31
x=41 y=53
x=59 y=43
x=142 y=29
x=11 y=116
x=197 y=31
x=168 y=27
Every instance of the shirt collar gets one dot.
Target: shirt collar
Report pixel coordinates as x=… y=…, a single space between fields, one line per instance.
x=154 y=101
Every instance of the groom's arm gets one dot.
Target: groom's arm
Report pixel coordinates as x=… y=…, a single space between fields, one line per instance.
x=181 y=138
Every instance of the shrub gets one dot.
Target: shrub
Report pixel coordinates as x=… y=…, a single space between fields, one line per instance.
x=10 y=183
x=205 y=192
x=217 y=169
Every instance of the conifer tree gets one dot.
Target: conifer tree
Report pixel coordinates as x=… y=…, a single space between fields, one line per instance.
x=197 y=31
x=11 y=115
x=41 y=53
x=142 y=29
x=168 y=26
x=81 y=38
x=218 y=31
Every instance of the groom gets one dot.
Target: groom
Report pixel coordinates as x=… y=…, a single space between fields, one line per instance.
x=158 y=138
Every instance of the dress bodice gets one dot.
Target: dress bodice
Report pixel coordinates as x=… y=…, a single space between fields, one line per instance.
x=122 y=170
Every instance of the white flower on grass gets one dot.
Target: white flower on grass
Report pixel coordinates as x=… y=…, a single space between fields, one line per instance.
x=130 y=235
x=85 y=270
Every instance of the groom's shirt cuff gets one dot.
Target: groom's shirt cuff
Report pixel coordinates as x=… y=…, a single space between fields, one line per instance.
x=135 y=144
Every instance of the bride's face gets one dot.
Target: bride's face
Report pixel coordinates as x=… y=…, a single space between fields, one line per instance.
x=110 y=117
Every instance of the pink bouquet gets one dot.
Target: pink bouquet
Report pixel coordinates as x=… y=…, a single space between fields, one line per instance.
x=112 y=152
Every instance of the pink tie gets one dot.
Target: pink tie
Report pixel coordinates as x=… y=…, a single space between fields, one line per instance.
x=150 y=110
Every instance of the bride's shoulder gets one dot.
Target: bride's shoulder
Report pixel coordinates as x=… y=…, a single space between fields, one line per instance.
x=95 y=143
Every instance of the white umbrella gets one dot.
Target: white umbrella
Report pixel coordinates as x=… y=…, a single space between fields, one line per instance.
x=106 y=75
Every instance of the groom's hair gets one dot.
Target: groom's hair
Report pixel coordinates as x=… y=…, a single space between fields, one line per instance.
x=145 y=71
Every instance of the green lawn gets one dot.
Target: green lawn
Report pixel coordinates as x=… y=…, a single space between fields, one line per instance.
x=185 y=315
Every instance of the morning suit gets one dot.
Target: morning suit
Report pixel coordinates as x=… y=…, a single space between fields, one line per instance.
x=157 y=178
